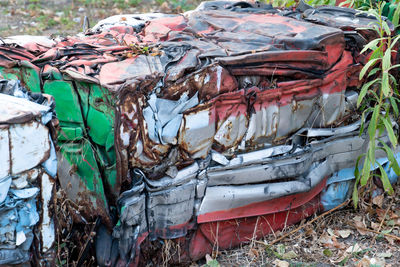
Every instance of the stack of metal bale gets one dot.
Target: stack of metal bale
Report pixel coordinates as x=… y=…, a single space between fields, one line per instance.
x=209 y=127
x=28 y=166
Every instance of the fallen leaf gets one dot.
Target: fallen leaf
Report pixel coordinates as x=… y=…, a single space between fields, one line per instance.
x=359 y=225
x=330 y=232
x=208 y=258
x=253 y=253
x=375 y=225
x=393 y=215
x=165 y=8
x=378 y=200
x=378 y=262
x=327 y=252
x=390 y=215
x=289 y=255
x=344 y=233
x=326 y=240
x=384 y=255
x=364 y=263
x=211 y=262
x=340 y=259
x=391 y=223
x=390 y=240
x=357 y=218
x=354 y=248
x=337 y=244
x=279 y=263
x=380 y=213
x=309 y=231
x=280 y=249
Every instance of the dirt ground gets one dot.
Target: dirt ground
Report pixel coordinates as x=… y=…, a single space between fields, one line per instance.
x=65 y=17
x=366 y=237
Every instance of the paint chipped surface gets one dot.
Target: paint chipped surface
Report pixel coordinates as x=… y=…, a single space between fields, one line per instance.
x=179 y=125
x=27 y=142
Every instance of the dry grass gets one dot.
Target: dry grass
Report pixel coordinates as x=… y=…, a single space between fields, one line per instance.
x=74 y=240
x=337 y=239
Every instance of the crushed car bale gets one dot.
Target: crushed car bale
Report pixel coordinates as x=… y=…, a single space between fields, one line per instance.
x=206 y=128
x=28 y=168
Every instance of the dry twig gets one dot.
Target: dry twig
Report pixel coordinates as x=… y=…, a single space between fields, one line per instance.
x=383 y=220
x=308 y=223
x=375 y=231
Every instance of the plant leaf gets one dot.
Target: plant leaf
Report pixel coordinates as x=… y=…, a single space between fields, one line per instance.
x=396 y=15
x=371 y=151
x=389 y=129
x=367 y=66
x=385 y=83
x=394 y=41
x=365 y=172
x=394 y=66
x=373 y=71
x=385 y=180
x=394 y=106
x=355 y=196
x=373 y=123
x=386 y=61
x=377 y=52
x=364 y=91
x=386 y=28
x=357 y=175
x=362 y=123
x=391 y=157
x=371 y=45
x=392 y=79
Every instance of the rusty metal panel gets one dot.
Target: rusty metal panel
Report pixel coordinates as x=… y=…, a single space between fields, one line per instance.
x=169 y=123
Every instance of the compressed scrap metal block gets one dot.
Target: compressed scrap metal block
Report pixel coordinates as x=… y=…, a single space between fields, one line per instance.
x=204 y=125
x=27 y=170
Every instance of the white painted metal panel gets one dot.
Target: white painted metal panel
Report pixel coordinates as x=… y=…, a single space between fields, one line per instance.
x=4 y=152
x=47 y=226
x=29 y=144
x=19 y=110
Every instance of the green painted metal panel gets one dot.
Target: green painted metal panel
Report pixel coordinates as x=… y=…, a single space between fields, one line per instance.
x=70 y=134
x=98 y=115
x=30 y=78
x=10 y=74
x=99 y=125
x=86 y=134
x=54 y=75
x=110 y=142
x=82 y=156
x=83 y=91
x=67 y=101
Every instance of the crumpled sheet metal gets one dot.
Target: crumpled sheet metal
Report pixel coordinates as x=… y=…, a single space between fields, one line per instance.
x=339 y=185
x=281 y=178
x=27 y=171
x=302 y=169
x=193 y=103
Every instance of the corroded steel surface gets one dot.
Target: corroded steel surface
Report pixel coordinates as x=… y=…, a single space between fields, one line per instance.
x=176 y=125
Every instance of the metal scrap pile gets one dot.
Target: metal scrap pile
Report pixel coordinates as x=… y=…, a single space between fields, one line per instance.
x=27 y=169
x=204 y=126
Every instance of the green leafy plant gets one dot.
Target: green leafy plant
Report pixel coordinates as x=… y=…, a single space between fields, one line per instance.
x=379 y=98
x=321 y=2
